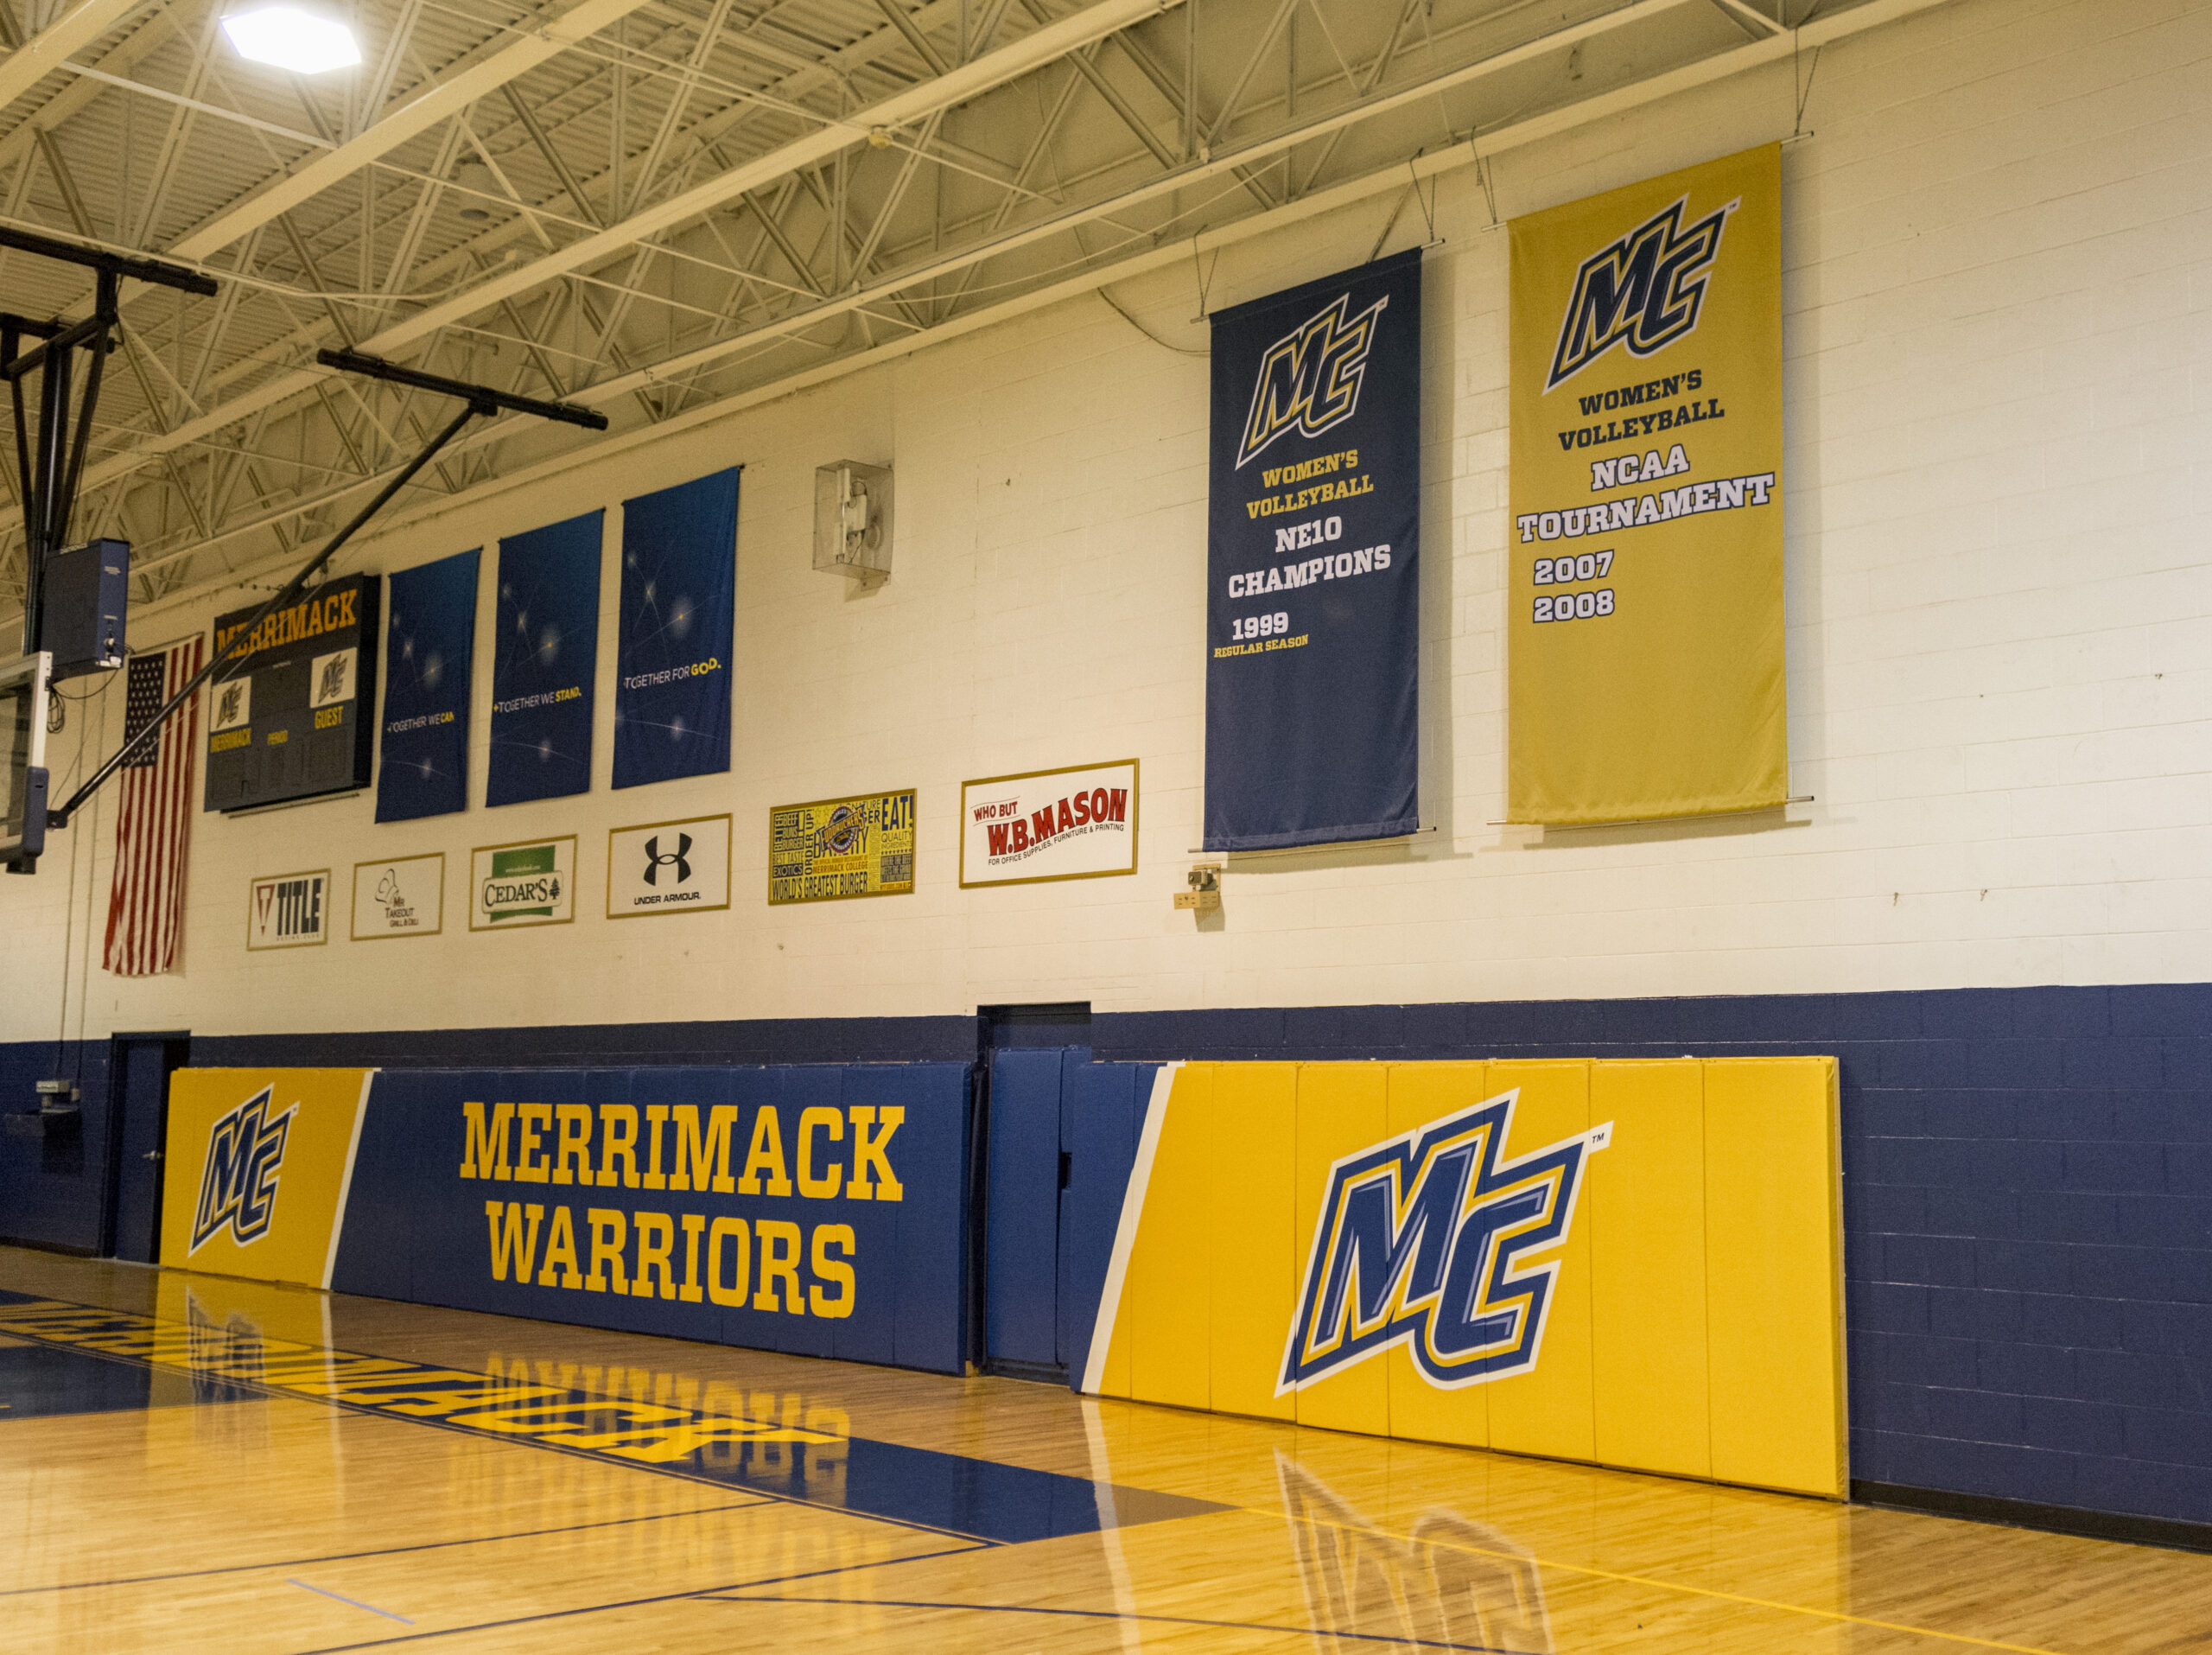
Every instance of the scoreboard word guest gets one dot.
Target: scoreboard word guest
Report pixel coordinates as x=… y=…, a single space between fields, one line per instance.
x=1074 y=824
x=834 y=848
x=1313 y=590
x=288 y=713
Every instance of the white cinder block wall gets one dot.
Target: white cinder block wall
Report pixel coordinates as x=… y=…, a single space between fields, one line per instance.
x=1999 y=335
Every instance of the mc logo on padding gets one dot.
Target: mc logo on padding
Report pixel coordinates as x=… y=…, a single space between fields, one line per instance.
x=237 y=1186
x=1421 y=1241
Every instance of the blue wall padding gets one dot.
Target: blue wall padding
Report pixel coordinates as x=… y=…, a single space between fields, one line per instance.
x=1021 y=1209
x=51 y=1187
x=932 y=1219
x=1101 y=1114
x=416 y=1230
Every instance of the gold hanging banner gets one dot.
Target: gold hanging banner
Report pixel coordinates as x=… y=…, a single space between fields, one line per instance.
x=1644 y=623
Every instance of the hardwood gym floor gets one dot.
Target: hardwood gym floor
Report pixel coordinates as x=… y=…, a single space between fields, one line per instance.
x=195 y=1463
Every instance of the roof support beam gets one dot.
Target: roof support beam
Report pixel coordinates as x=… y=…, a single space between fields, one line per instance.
x=1382 y=181
x=916 y=104
x=448 y=97
x=66 y=35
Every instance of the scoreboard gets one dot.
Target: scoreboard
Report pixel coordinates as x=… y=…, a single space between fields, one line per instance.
x=290 y=716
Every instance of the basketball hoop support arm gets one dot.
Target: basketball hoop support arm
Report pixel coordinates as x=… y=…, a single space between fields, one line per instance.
x=477 y=399
x=50 y=465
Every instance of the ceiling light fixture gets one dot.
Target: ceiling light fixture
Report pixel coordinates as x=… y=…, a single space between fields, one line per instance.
x=285 y=35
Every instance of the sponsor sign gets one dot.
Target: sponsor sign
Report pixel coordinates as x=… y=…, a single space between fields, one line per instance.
x=401 y=896
x=288 y=910
x=532 y=882
x=834 y=848
x=668 y=868
x=1644 y=619
x=1079 y=823
x=257 y=1168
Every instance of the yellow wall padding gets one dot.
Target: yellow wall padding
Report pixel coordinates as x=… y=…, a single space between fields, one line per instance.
x=1171 y=1272
x=1254 y=1218
x=1549 y=1411
x=1774 y=1279
x=1695 y=1320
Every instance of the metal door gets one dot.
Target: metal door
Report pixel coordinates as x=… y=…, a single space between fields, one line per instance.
x=139 y=1073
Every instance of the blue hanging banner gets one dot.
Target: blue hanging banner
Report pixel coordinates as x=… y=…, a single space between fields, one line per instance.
x=673 y=649
x=429 y=647
x=544 y=652
x=1313 y=583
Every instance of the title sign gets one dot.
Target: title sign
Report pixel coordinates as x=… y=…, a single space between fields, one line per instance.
x=532 y=882
x=287 y=910
x=1079 y=823
x=668 y=868
x=286 y=715
x=1643 y=621
x=833 y=847
x=1314 y=590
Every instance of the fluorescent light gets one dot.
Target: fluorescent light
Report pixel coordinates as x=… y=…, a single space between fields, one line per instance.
x=286 y=36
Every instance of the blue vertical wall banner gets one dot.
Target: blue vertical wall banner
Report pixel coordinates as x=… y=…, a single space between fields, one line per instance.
x=1313 y=589
x=430 y=626
x=544 y=652
x=672 y=648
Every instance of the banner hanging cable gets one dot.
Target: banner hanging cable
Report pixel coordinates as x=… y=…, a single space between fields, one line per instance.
x=478 y=399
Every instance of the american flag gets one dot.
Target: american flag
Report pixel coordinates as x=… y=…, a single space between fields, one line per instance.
x=145 y=911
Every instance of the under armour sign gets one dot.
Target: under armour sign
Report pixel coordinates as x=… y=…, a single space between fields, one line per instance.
x=668 y=868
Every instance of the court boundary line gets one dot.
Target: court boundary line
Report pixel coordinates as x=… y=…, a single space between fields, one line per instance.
x=701 y=1593
x=380 y=1552
x=1120 y=1615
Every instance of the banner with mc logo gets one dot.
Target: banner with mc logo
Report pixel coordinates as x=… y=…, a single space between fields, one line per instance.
x=1644 y=594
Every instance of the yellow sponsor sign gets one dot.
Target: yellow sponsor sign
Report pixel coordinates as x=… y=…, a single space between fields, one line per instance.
x=1643 y=610
x=832 y=848
x=257 y=1165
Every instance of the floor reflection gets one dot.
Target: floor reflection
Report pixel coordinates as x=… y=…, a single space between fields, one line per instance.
x=1452 y=1580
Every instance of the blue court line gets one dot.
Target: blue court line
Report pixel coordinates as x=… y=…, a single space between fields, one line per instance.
x=1393 y=1638
x=382 y=1551
x=626 y=1603
x=349 y=1602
